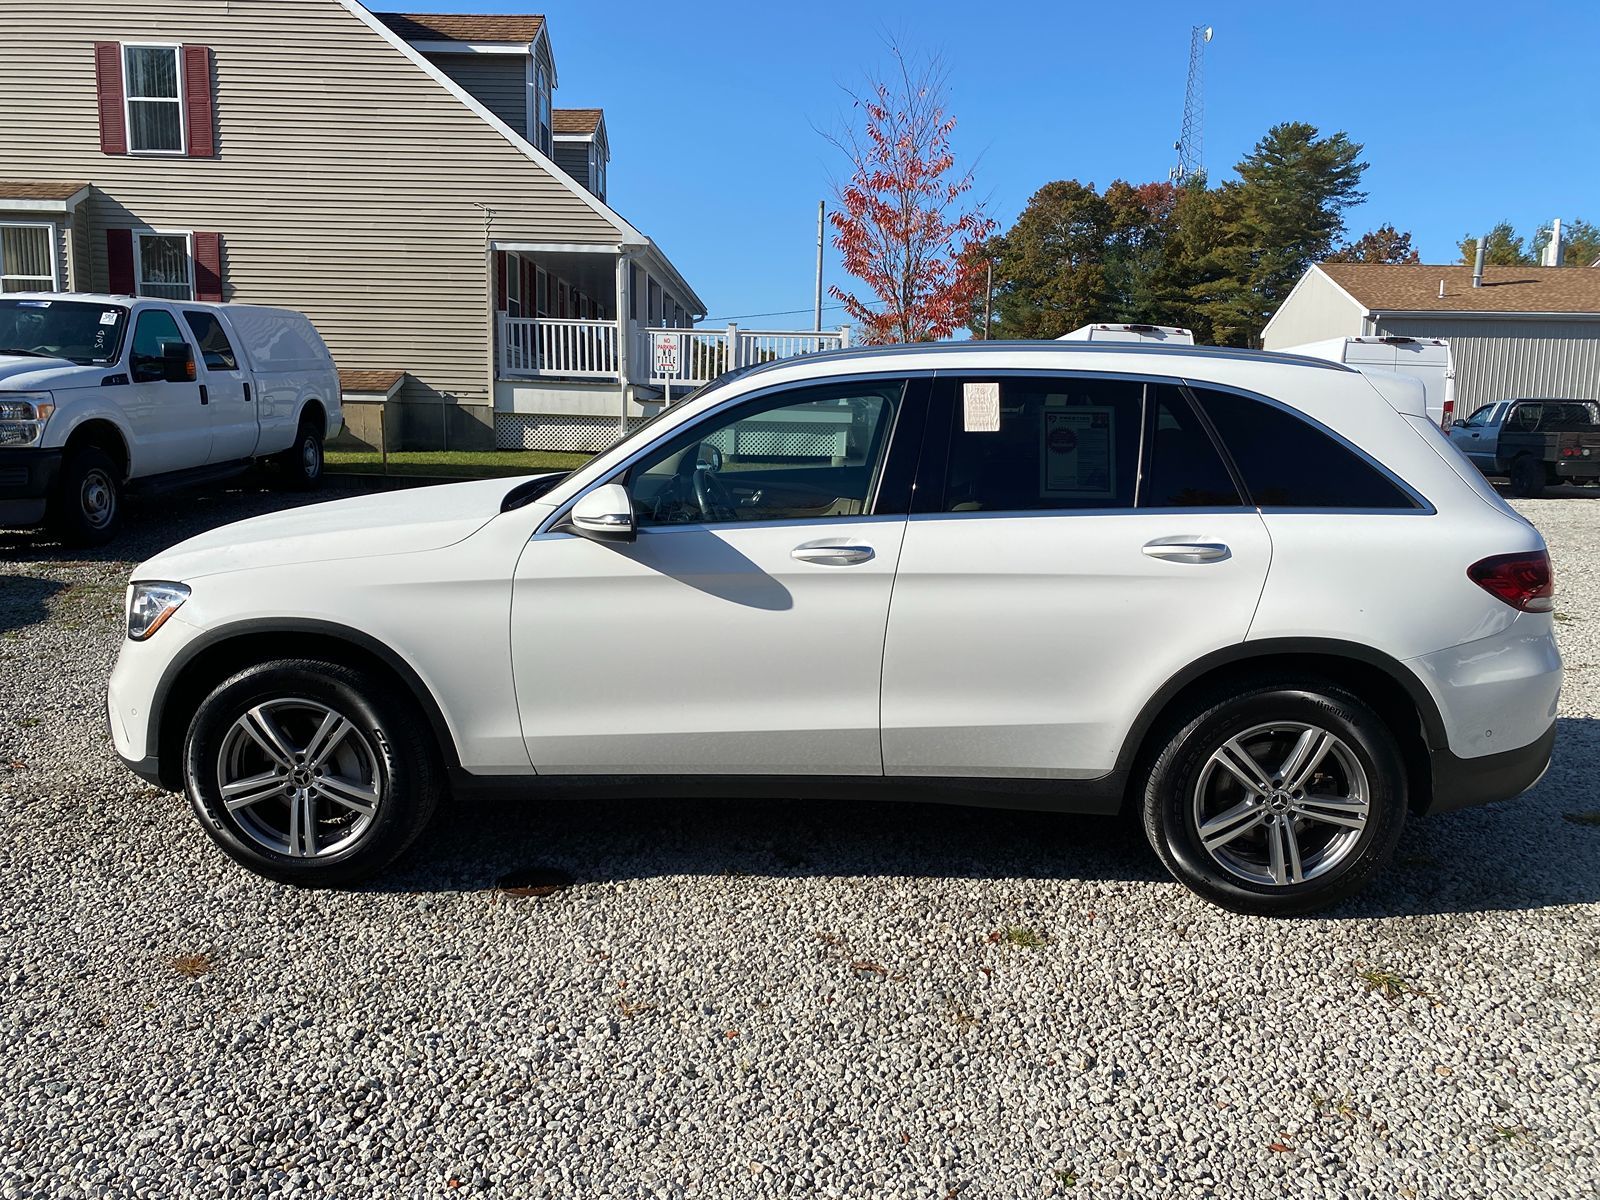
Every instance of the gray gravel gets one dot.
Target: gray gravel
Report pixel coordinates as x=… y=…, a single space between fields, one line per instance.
x=769 y=999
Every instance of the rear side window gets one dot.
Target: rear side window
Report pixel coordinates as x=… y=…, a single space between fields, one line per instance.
x=1287 y=462
x=214 y=344
x=1046 y=442
x=1184 y=469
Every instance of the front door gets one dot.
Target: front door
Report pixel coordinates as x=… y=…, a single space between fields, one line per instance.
x=1077 y=542
x=171 y=427
x=742 y=632
x=232 y=406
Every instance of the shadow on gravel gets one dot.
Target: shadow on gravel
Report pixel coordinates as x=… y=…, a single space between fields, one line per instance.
x=1496 y=858
x=24 y=600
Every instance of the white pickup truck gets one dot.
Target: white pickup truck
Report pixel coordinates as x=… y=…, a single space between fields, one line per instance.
x=99 y=392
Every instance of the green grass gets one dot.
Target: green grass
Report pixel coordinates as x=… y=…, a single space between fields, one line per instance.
x=461 y=464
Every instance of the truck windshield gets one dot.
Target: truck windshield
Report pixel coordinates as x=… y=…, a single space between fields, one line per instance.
x=71 y=329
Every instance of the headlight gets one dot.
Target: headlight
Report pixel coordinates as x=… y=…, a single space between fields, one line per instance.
x=22 y=417
x=150 y=604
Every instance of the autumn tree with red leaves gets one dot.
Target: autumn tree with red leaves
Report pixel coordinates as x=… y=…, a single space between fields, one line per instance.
x=901 y=224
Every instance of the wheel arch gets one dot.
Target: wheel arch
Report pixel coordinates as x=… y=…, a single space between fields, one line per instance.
x=314 y=408
x=103 y=434
x=1381 y=681
x=210 y=659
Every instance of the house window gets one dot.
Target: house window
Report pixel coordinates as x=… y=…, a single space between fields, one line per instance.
x=541 y=98
x=542 y=288
x=513 y=285
x=597 y=171
x=27 y=258
x=164 y=265
x=155 y=103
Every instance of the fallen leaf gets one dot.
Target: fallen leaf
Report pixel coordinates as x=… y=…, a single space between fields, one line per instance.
x=1279 y=1148
x=730 y=1033
x=1443 y=1071
x=534 y=881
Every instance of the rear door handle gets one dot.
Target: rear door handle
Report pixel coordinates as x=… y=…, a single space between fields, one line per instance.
x=205 y=396
x=831 y=555
x=1188 y=552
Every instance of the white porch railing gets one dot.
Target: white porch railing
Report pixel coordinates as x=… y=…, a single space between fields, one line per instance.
x=531 y=347
x=690 y=357
x=534 y=346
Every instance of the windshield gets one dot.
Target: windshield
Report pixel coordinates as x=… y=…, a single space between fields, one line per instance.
x=71 y=329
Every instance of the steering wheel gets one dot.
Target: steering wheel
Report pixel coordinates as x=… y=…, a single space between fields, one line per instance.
x=715 y=500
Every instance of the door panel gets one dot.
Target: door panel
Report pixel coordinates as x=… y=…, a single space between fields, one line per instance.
x=704 y=650
x=231 y=403
x=171 y=428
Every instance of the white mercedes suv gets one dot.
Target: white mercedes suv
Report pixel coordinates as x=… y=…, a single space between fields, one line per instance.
x=1258 y=600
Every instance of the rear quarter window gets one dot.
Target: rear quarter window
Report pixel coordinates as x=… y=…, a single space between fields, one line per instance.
x=1285 y=461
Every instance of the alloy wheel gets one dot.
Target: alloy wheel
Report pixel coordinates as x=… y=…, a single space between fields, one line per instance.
x=1281 y=804
x=299 y=778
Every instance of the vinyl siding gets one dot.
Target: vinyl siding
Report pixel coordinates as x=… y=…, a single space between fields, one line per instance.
x=573 y=158
x=1498 y=358
x=344 y=182
x=1314 y=310
x=497 y=81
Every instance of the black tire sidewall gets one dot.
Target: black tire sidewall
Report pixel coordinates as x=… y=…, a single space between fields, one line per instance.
x=399 y=744
x=1168 y=801
x=67 y=515
x=294 y=462
x=1527 y=477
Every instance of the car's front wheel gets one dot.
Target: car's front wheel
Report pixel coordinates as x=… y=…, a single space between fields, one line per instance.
x=1277 y=797
x=311 y=772
x=86 y=509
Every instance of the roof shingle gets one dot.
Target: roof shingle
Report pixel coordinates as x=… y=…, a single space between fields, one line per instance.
x=369 y=379
x=1414 y=287
x=581 y=121
x=40 y=189
x=463 y=27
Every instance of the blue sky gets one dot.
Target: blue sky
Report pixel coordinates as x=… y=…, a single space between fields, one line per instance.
x=1470 y=112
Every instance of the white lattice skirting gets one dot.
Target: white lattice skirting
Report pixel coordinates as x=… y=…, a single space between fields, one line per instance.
x=538 y=431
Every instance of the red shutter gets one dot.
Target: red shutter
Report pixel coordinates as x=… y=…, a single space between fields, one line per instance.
x=197 y=101
x=500 y=280
x=119 y=262
x=208 y=266
x=108 y=90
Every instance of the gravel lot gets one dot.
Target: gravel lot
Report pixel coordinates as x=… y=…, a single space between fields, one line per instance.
x=769 y=999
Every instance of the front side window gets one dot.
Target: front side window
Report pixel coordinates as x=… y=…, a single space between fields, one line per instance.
x=154 y=330
x=1480 y=416
x=70 y=329
x=27 y=258
x=808 y=454
x=155 y=104
x=215 y=349
x=1287 y=462
x=164 y=265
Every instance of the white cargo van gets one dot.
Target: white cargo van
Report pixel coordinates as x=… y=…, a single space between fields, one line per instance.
x=1162 y=335
x=99 y=392
x=1425 y=359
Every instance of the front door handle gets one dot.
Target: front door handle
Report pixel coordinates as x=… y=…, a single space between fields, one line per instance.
x=1188 y=552
x=827 y=554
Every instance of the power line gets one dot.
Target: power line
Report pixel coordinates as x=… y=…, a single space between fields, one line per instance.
x=787 y=312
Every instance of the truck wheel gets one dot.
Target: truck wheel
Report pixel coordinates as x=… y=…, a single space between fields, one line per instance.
x=1527 y=477
x=302 y=462
x=86 y=509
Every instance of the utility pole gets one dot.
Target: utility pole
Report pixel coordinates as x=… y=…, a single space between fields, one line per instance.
x=822 y=212
x=988 y=299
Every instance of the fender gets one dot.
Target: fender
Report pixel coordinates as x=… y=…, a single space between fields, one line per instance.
x=79 y=406
x=1266 y=649
x=299 y=627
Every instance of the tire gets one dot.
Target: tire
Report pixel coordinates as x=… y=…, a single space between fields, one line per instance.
x=1527 y=477
x=302 y=463
x=369 y=799
x=86 y=509
x=1188 y=787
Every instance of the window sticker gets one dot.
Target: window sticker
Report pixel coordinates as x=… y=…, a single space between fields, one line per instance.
x=1075 y=454
x=980 y=407
x=108 y=317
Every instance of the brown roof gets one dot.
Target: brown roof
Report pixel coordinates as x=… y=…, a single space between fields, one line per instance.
x=40 y=189
x=1414 y=287
x=583 y=121
x=369 y=379
x=462 y=27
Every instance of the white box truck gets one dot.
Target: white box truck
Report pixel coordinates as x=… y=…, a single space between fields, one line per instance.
x=1425 y=359
x=1161 y=335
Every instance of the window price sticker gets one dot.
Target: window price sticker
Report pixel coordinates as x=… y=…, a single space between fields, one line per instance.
x=980 y=407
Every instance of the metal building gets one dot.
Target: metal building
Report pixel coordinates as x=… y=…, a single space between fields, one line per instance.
x=1515 y=332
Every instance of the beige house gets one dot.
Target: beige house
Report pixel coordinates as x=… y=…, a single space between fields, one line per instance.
x=1515 y=332
x=403 y=179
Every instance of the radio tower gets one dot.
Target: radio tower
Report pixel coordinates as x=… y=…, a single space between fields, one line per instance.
x=1191 y=144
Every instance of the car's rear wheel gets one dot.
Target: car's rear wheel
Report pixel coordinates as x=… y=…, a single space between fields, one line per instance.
x=302 y=463
x=1277 y=798
x=86 y=509
x=1527 y=477
x=311 y=772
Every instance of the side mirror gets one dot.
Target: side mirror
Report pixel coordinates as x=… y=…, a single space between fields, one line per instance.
x=177 y=362
x=605 y=514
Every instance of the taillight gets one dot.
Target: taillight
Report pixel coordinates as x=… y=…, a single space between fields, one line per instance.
x=1524 y=581
x=1449 y=414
